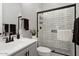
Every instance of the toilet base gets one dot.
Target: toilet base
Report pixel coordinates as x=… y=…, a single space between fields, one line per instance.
x=44 y=51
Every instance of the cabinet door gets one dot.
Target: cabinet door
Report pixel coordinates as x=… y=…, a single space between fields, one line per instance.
x=23 y=52
x=33 y=49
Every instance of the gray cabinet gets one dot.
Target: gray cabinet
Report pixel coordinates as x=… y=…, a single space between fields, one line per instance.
x=31 y=50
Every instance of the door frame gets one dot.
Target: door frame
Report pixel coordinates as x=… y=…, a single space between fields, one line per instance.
x=63 y=7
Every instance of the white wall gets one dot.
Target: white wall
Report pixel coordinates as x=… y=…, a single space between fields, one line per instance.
x=0 y=17
x=29 y=11
x=11 y=12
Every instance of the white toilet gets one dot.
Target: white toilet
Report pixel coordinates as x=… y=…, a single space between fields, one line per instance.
x=43 y=51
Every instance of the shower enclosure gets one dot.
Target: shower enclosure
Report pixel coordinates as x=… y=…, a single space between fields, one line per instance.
x=55 y=29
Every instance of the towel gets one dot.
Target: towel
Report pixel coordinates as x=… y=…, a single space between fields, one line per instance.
x=26 y=23
x=64 y=35
x=76 y=32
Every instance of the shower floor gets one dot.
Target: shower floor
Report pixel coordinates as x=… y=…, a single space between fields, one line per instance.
x=61 y=52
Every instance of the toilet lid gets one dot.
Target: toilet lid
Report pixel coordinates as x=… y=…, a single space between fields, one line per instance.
x=43 y=49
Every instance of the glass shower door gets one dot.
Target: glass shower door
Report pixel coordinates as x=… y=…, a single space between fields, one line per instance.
x=56 y=32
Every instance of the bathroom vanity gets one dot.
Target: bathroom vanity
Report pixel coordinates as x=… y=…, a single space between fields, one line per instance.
x=20 y=47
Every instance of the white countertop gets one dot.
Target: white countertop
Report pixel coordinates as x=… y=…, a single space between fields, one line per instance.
x=16 y=45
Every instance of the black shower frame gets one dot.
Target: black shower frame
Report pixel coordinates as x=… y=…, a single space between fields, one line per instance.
x=63 y=7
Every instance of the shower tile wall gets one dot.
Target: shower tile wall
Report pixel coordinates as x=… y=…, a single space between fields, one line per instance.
x=56 y=20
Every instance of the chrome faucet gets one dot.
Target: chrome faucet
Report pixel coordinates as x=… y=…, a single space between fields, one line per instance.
x=9 y=38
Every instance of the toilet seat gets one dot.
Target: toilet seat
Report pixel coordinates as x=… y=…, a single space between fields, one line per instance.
x=43 y=49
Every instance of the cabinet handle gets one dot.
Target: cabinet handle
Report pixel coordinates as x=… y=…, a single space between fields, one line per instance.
x=28 y=53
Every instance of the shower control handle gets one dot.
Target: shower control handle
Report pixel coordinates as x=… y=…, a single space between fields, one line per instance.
x=54 y=31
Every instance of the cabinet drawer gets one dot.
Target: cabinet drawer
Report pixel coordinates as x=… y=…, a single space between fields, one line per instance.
x=32 y=49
